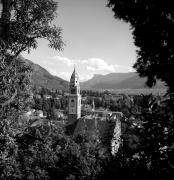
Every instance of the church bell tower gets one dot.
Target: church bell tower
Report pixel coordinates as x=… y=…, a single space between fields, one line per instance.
x=74 y=101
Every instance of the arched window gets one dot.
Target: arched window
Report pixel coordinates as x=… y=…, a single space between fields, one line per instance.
x=72 y=103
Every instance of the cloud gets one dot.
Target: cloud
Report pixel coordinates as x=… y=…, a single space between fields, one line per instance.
x=90 y=68
x=85 y=77
x=67 y=61
x=92 y=64
x=65 y=75
x=97 y=64
x=86 y=68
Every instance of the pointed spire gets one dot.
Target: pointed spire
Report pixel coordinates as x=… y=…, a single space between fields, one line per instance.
x=74 y=67
x=74 y=76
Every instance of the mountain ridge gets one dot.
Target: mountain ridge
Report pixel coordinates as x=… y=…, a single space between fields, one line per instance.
x=42 y=78
x=130 y=80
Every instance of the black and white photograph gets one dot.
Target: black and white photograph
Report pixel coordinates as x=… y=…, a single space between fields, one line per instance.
x=86 y=89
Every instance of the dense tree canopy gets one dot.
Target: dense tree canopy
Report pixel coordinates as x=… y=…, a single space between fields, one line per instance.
x=22 y=22
x=152 y=22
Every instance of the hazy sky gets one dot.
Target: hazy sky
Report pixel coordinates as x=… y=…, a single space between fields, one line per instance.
x=95 y=41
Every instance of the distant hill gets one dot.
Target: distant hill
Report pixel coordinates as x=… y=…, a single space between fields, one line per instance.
x=118 y=81
x=42 y=78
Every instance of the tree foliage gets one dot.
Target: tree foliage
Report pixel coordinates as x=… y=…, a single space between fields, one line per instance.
x=22 y=22
x=152 y=23
x=43 y=151
x=147 y=148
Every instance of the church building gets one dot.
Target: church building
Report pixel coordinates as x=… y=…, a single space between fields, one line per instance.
x=90 y=124
x=74 y=100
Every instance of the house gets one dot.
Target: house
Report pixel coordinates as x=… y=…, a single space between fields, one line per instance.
x=57 y=97
x=46 y=96
x=86 y=107
x=37 y=96
x=59 y=114
x=30 y=112
x=39 y=113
